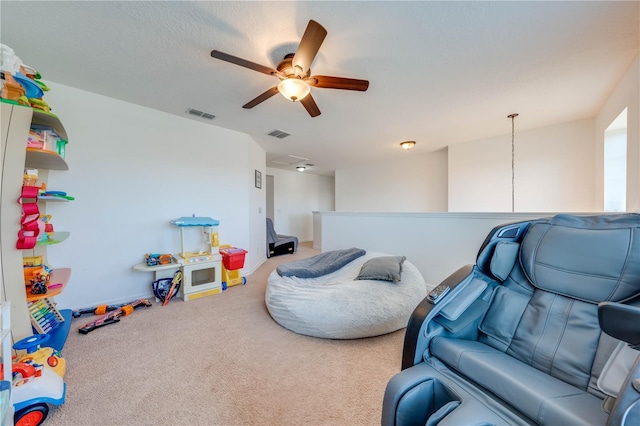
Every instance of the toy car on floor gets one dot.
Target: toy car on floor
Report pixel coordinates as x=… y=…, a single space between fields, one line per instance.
x=34 y=392
x=35 y=386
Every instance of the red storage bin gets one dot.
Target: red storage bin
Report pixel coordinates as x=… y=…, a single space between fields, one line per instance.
x=233 y=258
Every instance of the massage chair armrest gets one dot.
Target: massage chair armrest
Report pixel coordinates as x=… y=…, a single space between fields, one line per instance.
x=620 y=321
x=413 y=344
x=400 y=387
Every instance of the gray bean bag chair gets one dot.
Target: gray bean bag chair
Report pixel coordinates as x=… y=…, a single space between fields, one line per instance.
x=340 y=306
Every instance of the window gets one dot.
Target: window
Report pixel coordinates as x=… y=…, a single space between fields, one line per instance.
x=615 y=164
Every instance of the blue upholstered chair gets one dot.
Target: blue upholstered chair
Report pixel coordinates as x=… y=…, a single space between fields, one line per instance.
x=544 y=329
x=279 y=244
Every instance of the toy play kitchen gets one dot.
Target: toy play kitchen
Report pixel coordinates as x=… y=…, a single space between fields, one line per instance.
x=201 y=269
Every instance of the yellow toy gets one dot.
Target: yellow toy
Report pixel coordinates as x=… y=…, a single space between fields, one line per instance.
x=39 y=104
x=48 y=357
x=232 y=262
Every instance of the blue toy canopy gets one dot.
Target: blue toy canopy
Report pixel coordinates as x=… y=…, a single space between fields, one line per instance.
x=195 y=221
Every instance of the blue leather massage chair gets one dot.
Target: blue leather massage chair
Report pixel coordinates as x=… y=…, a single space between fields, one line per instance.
x=543 y=330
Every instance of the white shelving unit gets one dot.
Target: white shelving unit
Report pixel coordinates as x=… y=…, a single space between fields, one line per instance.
x=16 y=121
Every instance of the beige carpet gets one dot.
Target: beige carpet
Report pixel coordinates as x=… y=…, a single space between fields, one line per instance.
x=222 y=360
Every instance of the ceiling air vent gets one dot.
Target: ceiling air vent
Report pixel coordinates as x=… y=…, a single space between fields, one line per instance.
x=279 y=134
x=200 y=114
x=289 y=160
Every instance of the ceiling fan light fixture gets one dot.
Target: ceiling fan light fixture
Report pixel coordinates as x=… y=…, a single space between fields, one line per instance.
x=293 y=88
x=407 y=145
x=294 y=71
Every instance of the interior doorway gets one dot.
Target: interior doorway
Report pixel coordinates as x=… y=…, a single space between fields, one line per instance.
x=270 y=197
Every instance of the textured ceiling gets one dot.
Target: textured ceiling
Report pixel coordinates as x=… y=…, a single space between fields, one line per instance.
x=440 y=72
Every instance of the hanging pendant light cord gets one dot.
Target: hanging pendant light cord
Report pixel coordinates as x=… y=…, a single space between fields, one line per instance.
x=513 y=162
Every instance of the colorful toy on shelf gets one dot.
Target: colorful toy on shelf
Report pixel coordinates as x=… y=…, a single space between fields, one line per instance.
x=39 y=287
x=32 y=90
x=32 y=261
x=153 y=259
x=30 y=224
x=48 y=226
x=56 y=194
x=43 y=136
x=12 y=90
x=37 y=278
x=39 y=104
x=45 y=317
x=36 y=383
x=15 y=70
x=35 y=76
x=39 y=229
x=35 y=270
x=42 y=236
x=114 y=316
x=30 y=177
x=36 y=273
x=35 y=140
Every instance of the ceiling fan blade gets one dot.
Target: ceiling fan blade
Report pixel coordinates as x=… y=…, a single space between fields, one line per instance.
x=310 y=105
x=309 y=45
x=242 y=62
x=328 y=82
x=261 y=98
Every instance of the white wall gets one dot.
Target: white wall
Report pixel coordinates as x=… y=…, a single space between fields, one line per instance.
x=436 y=243
x=257 y=209
x=625 y=95
x=296 y=196
x=132 y=170
x=553 y=171
x=415 y=184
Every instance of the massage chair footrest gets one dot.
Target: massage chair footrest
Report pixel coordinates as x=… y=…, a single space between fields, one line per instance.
x=421 y=395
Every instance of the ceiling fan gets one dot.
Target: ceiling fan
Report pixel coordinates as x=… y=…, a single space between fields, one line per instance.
x=294 y=72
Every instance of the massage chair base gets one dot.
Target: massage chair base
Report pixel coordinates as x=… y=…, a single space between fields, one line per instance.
x=422 y=395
